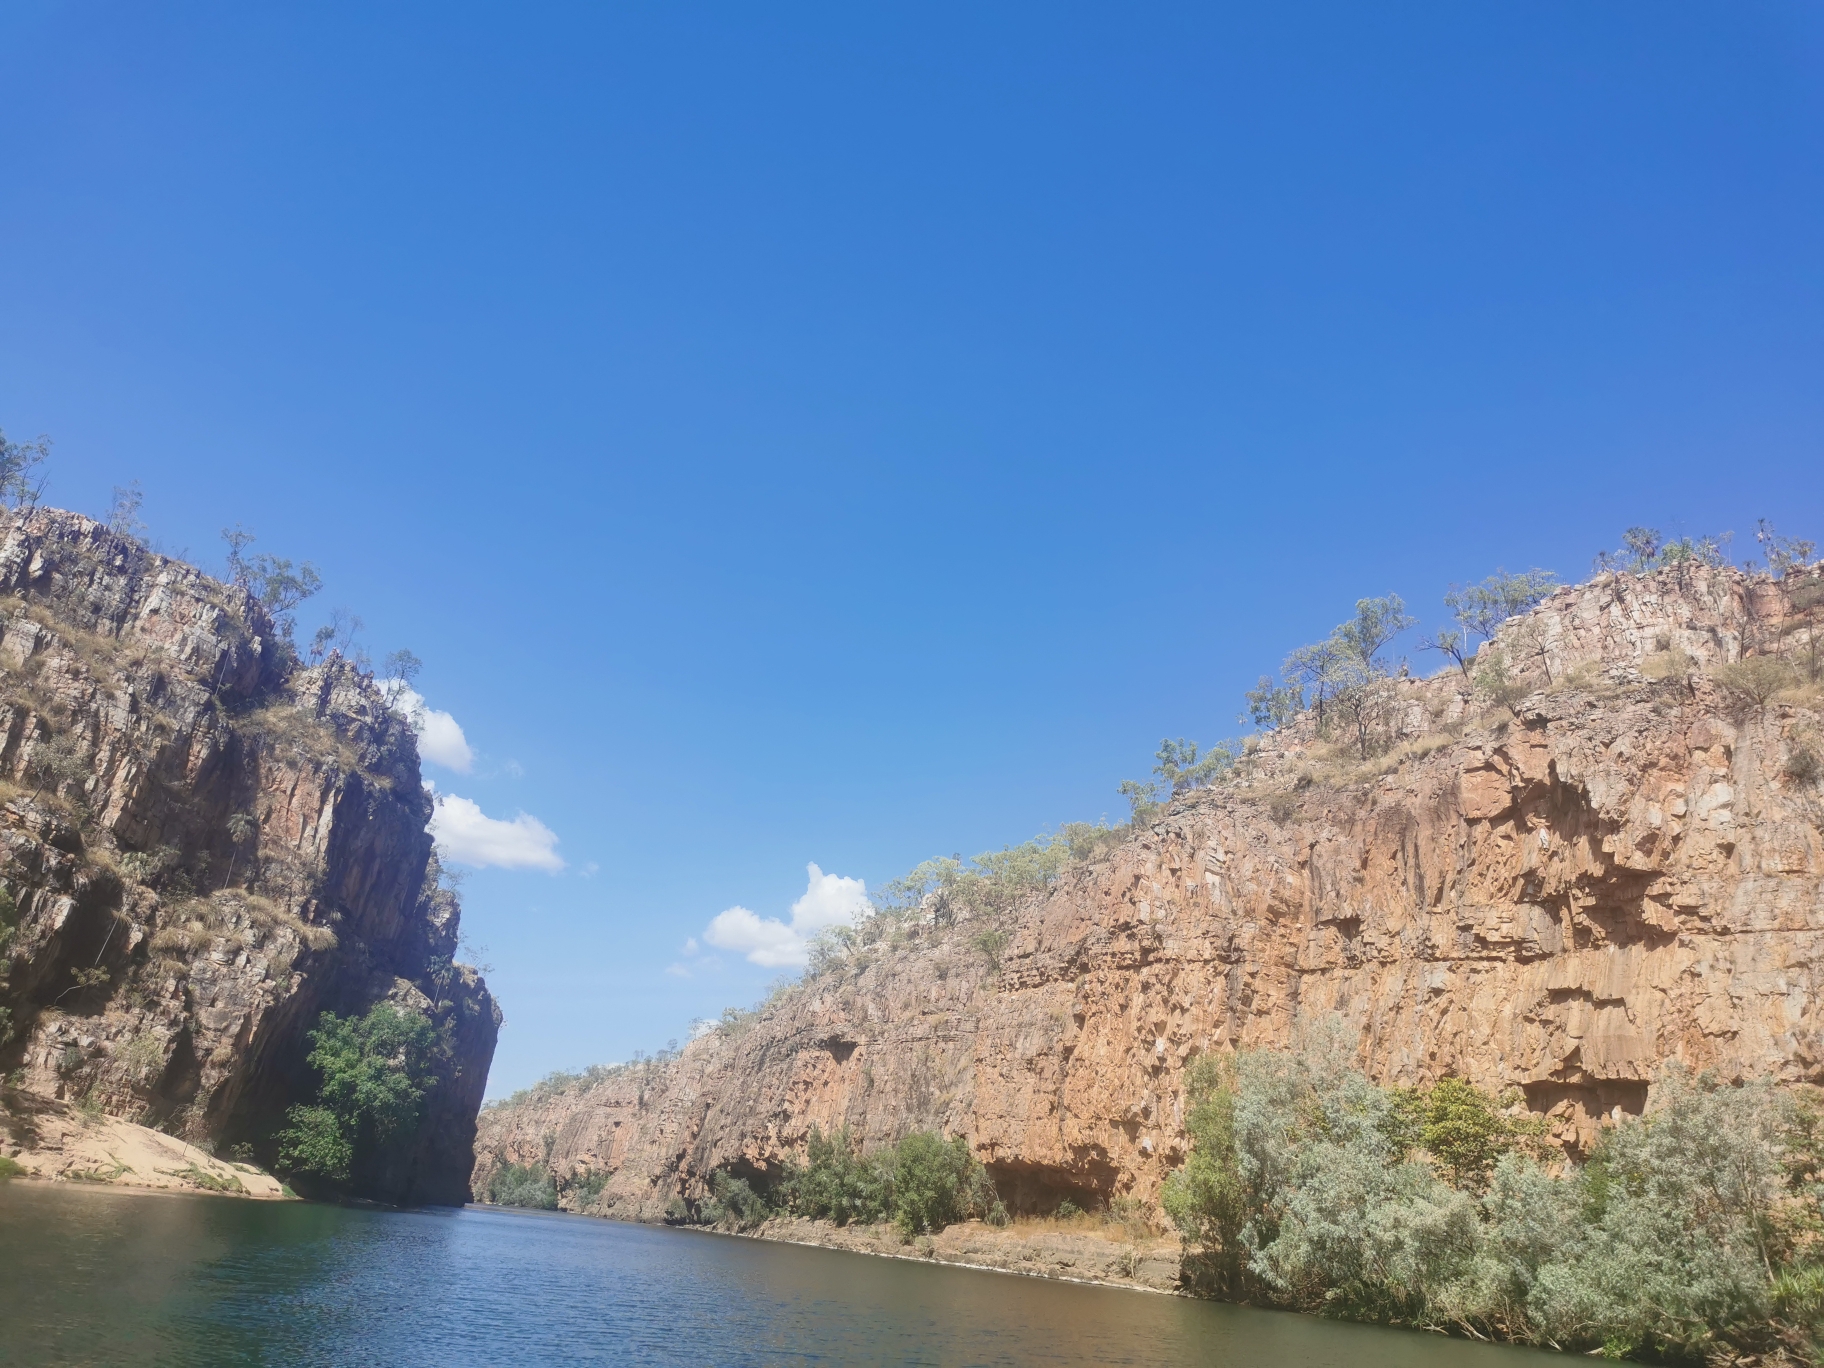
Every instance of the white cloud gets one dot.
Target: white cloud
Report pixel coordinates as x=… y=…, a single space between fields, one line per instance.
x=829 y=900
x=440 y=738
x=468 y=836
x=677 y=971
x=690 y=946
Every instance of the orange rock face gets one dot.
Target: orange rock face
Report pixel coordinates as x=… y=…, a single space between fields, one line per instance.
x=1624 y=869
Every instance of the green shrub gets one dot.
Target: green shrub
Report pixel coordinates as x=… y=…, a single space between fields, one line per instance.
x=10 y=1168
x=1688 y=1233
x=733 y=1203
x=515 y=1185
x=586 y=1186
x=838 y=1184
x=922 y=1184
x=936 y=1183
x=315 y=1144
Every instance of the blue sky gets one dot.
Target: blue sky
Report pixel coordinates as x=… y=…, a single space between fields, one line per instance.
x=848 y=434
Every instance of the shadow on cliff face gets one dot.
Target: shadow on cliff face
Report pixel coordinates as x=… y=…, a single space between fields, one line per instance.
x=205 y=843
x=1031 y=1189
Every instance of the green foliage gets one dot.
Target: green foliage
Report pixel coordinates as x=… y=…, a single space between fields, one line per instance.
x=936 y=1183
x=1645 y=549
x=1693 y=1231
x=1480 y=609
x=11 y=1168
x=733 y=1204
x=141 y=1058
x=1784 y=554
x=527 y=1185
x=586 y=1186
x=1464 y=1130
x=1178 y=768
x=1272 y=706
x=836 y=1183
x=274 y=581
x=1494 y=683
x=1753 y=682
x=315 y=1144
x=19 y=462
x=375 y=1071
x=1342 y=678
x=123 y=512
x=922 y=1184
x=990 y=884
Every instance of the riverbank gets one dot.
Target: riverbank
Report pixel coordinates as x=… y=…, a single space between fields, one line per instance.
x=1053 y=1250
x=54 y=1140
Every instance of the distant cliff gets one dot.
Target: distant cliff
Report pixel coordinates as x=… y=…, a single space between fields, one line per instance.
x=203 y=846
x=1619 y=863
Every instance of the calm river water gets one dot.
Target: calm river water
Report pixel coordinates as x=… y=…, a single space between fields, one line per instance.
x=101 y=1276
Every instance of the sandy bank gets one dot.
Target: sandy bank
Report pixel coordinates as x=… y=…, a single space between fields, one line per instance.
x=54 y=1140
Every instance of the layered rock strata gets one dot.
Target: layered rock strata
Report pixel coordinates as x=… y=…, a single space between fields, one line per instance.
x=1622 y=868
x=203 y=846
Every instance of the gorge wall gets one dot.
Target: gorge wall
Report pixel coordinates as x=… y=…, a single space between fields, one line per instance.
x=203 y=846
x=1625 y=867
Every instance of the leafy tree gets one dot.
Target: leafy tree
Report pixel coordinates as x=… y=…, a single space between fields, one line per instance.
x=1480 y=609
x=527 y=1185
x=123 y=512
x=375 y=1071
x=1495 y=683
x=1342 y=672
x=403 y=666
x=936 y=1183
x=20 y=483
x=1377 y=621
x=1273 y=706
x=1464 y=1130
x=338 y=634
x=315 y=1144
x=1755 y=680
x=1784 y=554
x=1178 y=767
x=1645 y=548
x=273 y=580
x=1208 y=1198
x=733 y=1203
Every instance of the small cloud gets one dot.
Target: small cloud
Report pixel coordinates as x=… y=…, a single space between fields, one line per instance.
x=690 y=946
x=677 y=971
x=440 y=738
x=590 y=869
x=514 y=769
x=468 y=836
x=829 y=900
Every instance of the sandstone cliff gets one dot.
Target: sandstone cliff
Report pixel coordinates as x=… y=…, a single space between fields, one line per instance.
x=204 y=845
x=1624 y=867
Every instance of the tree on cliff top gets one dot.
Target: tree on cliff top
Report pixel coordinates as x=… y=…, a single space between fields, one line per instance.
x=1480 y=609
x=273 y=580
x=20 y=483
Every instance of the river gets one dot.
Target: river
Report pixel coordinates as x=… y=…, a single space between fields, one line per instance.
x=104 y=1276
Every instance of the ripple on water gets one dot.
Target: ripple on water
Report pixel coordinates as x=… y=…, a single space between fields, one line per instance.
x=111 y=1277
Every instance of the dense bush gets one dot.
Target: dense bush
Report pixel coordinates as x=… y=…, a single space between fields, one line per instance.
x=922 y=1184
x=1690 y=1231
x=527 y=1185
x=375 y=1070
